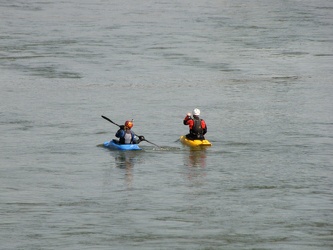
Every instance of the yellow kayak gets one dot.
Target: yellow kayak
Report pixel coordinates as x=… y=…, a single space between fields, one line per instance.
x=194 y=143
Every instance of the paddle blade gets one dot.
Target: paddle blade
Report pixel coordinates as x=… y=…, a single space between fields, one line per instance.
x=110 y=120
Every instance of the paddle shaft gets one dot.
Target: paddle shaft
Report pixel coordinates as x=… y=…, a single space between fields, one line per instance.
x=110 y=121
x=151 y=143
x=134 y=133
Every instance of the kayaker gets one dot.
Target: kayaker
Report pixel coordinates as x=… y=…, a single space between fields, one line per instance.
x=126 y=135
x=198 y=127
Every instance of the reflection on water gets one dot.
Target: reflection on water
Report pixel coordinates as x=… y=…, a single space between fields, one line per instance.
x=125 y=160
x=196 y=157
x=195 y=160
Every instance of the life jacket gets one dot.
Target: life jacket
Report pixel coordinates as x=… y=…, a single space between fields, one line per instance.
x=197 y=128
x=128 y=138
x=122 y=134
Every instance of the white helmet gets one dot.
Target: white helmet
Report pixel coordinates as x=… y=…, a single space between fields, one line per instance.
x=196 y=112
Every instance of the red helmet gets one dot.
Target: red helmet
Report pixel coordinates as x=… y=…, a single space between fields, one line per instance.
x=128 y=124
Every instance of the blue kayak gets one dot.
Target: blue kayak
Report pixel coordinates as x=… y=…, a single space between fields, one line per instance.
x=115 y=145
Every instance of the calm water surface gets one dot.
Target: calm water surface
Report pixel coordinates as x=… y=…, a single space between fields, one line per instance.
x=261 y=73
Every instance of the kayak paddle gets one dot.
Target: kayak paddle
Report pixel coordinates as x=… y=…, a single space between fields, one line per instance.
x=144 y=139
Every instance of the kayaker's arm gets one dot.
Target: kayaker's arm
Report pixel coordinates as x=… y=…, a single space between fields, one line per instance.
x=204 y=127
x=120 y=133
x=139 y=139
x=187 y=118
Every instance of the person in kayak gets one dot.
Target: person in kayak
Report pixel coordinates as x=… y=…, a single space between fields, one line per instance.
x=126 y=135
x=197 y=126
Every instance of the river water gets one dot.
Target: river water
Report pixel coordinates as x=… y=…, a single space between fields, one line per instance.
x=261 y=73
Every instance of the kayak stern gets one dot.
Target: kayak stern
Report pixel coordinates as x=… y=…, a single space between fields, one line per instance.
x=194 y=143
x=114 y=145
